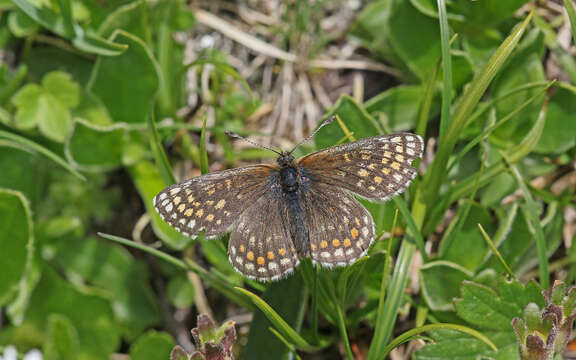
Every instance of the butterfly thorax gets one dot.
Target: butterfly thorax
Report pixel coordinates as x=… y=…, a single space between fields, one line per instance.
x=289 y=177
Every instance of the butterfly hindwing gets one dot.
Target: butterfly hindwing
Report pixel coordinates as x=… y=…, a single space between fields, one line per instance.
x=376 y=168
x=341 y=230
x=212 y=202
x=260 y=245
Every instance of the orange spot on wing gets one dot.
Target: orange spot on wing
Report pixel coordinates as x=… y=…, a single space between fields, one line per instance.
x=250 y=256
x=354 y=233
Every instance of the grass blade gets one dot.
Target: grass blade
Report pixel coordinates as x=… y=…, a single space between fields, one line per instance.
x=413 y=332
x=204 y=167
x=281 y=325
x=427 y=194
x=446 y=66
x=496 y=252
x=569 y=5
x=531 y=213
x=392 y=303
x=158 y=152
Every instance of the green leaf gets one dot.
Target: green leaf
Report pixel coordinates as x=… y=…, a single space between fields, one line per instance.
x=55 y=122
x=16 y=241
x=20 y=24
x=48 y=106
x=427 y=194
x=133 y=302
x=399 y=33
x=440 y=283
x=560 y=127
x=62 y=341
x=26 y=100
x=126 y=84
x=450 y=344
x=413 y=332
x=96 y=148
x=149 y=183
x=400 y=106
x=62 y=87
x=285 y=329
x=572 y=16
x=153 y=345
x=23 y=143
x=262 y=344
x=180 y=291
x=355 y=118
x=466 y=246
x=487 y=309
x=64 y=27
x=98 y=337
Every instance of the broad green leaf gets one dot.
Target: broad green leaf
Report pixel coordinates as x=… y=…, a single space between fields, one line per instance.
x=62 y=87
x=62 y=341
x=23 y=172
x=559 y=131
x=20 y=24
x=126 y=84
x=55 y=122
x=180 y=291
x=11 y=80
x=396 y=31
x=399 y=106
x=153 y=345
x=525 y=66
x=96 y=148
x=149 y=183
x=16 y=241
x=262 y=344
x=440 y=281
x=26 y=100
x=466 y=246
x=427 y=194
x=354 y=117
x=133 y=300
x=489 y=310
x=450 y=344
x=408 y=335
x=98 y=337
x=291 y=310
x=48 y=106
x=65 y=27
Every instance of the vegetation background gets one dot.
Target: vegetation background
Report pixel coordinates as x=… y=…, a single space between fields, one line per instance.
x=105 y=103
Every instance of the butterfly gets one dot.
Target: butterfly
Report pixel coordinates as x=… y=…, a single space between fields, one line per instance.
x=279 y=214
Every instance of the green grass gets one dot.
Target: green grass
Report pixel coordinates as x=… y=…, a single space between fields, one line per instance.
x=99 y=111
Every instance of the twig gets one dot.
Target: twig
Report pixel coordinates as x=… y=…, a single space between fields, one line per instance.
x=200 y=299
x=265 y=48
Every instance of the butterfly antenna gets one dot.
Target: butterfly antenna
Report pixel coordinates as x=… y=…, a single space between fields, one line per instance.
x=309 y=137
x=234 y=135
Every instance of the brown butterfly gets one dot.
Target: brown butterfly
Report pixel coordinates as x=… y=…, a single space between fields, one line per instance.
x=281 y=213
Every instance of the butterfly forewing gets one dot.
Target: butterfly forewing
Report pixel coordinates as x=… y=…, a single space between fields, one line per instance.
x=341 y=229
x=376 y=168
x=260 y=245
x=212 y=202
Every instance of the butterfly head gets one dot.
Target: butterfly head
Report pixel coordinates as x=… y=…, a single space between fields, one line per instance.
x=285 y=159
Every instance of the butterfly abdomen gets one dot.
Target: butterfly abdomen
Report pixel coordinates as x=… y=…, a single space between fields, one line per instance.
x=290 y=182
